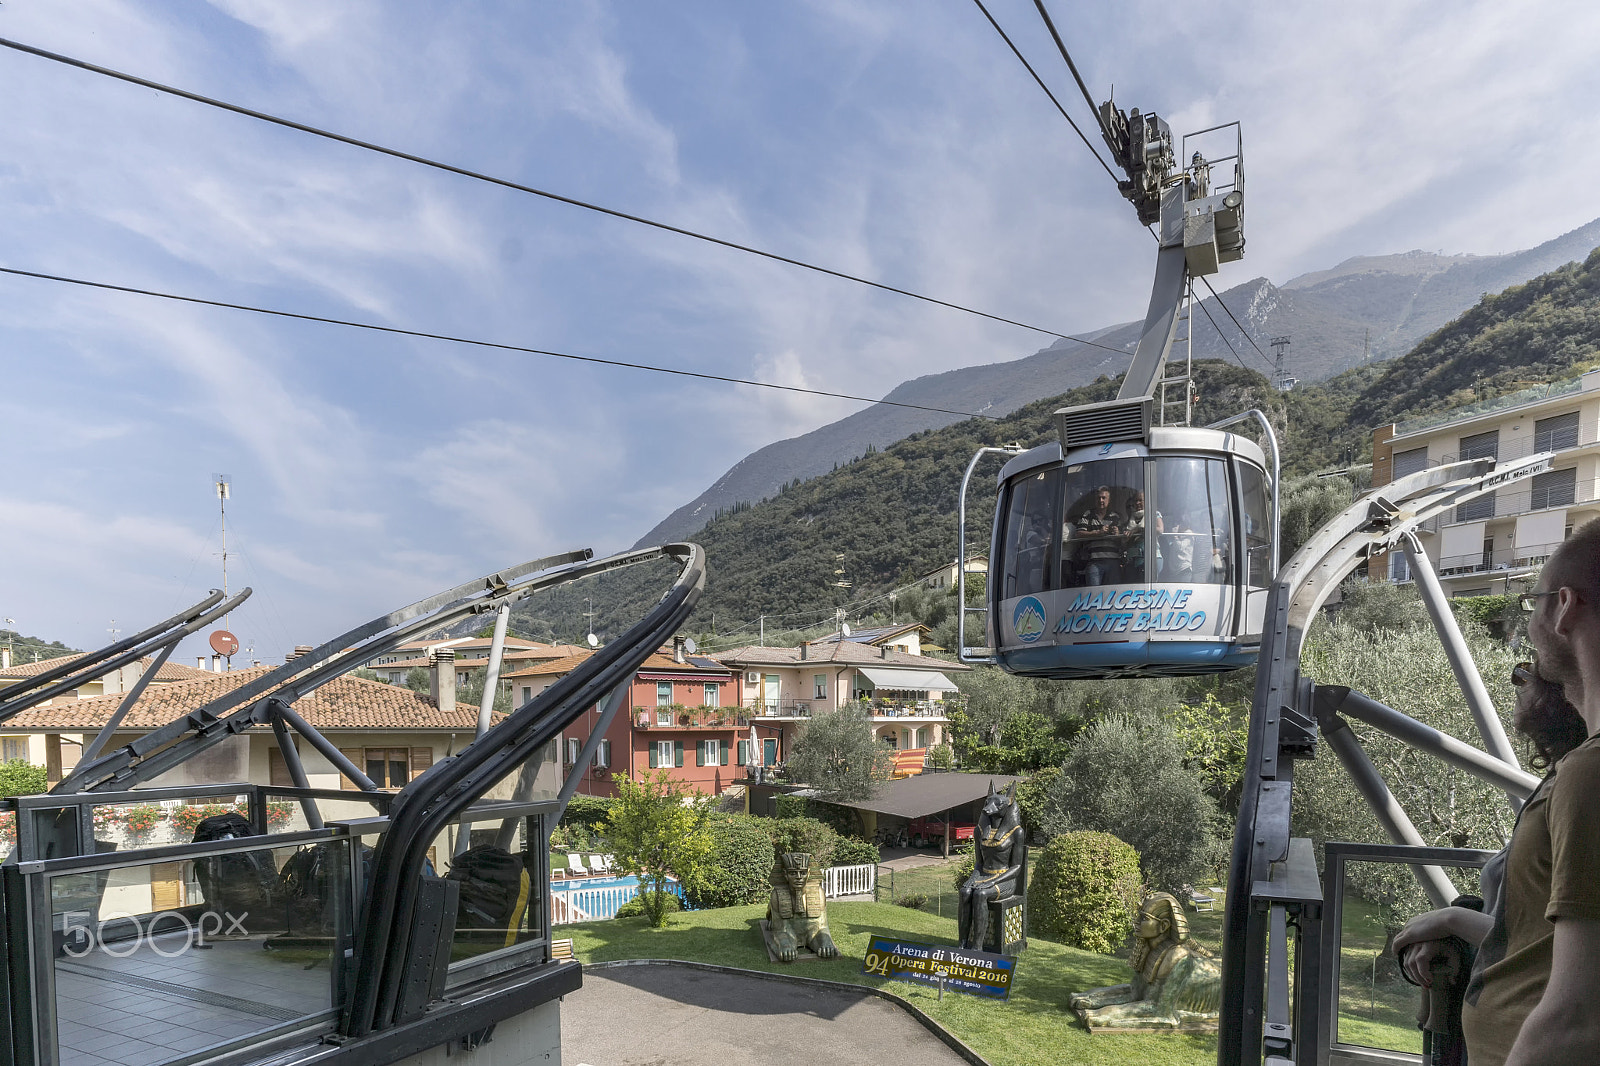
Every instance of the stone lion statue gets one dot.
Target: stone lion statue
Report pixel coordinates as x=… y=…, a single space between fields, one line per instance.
x=1174 y=986
x=797 y=917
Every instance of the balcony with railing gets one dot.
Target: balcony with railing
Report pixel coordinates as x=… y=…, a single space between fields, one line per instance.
x=1521 y=398
x=677 y=716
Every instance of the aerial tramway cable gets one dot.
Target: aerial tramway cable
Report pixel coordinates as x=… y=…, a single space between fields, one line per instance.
x=450 y=168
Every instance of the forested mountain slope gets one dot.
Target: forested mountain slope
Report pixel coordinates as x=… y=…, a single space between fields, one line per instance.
x=890 y=515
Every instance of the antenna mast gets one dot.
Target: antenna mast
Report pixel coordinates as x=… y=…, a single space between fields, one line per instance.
x=222 y=482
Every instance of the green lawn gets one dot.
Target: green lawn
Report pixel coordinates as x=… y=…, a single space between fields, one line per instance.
x=1033 y=1028
x=1377 y=1007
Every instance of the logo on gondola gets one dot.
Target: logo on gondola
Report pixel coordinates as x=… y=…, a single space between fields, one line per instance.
x=1028 y=620
x=1105 y=449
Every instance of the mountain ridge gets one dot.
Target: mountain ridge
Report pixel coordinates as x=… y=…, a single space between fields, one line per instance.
x=1330 y=314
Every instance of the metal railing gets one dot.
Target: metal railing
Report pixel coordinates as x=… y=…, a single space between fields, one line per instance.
x=849 y=880
x=179 y=953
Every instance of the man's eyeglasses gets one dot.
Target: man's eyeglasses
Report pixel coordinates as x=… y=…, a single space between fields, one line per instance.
x=1530 y=600
x=1524 y=674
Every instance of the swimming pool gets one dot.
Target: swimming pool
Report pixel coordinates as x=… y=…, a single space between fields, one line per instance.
x=585 y=899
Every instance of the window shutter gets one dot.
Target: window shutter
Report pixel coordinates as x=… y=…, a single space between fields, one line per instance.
x=354 y=755
x=677 y=753
x=278 y=770
x=653 y=757
x=700 y=754
x=722 y=753
x=743 y=754
x=421 y=759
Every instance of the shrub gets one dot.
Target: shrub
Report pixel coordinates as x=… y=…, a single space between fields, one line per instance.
x=19 y=777
x=850 y=851
x=634 y=908
x=1085 y=891
x=807 y=835
x=1033 y=797
x=141 y=818
x=789 y=806
x=963 y=870
x=589 y=812
x=740 y=869
x=941 y=757
x=914 y=900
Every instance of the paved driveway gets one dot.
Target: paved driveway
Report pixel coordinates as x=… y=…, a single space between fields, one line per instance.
x=666 y=1015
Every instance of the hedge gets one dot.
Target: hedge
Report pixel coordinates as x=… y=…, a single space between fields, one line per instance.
x=1084 y=891
x=590 y=812
x=741 y=862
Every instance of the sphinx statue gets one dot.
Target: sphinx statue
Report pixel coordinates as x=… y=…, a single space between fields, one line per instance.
x=998 y=860
x=797 y=916
x=1174 y=986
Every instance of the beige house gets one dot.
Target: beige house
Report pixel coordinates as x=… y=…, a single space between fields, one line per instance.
x=38 y=748
x=907 y=692
x=1495 y=544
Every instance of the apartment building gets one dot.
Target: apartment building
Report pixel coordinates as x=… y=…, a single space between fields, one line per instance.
x=1495 y=544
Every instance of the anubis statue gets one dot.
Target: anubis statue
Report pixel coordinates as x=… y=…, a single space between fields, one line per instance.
x=998 y=864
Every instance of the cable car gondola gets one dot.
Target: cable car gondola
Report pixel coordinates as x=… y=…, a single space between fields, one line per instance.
x=1131 y=547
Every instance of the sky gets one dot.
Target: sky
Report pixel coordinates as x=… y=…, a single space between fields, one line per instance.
x=901 y=142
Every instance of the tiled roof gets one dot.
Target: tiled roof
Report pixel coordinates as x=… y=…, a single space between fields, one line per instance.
x=171 y=671
x=845 y=653
x=344 y=703
x=407 y=664
x=17 y=671
x=556 y=667
x=656 y=663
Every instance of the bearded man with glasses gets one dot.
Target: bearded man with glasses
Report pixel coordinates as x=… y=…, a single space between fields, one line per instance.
x=1534 y=992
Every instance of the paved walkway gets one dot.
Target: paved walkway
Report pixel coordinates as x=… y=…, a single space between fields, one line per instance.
x=666 y=1015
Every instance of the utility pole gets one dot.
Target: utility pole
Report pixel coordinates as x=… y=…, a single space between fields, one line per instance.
x=763 y=631
x=589 y=614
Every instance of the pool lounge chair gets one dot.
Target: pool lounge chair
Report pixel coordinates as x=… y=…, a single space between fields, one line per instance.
x=575 y=867
x=598 y=864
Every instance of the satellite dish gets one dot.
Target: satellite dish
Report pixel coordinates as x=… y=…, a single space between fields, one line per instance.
x=845 y=629
x=594 y=641
x=224 y=643
x=690 y=646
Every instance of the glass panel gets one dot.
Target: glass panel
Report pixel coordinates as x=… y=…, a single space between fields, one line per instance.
x=1104 y=524
x=1030 y=533
x=1257 y=527
x=157 y=961
x=1194 y=539
x=1377 y=1006
x=498 y=874
x=376 y=764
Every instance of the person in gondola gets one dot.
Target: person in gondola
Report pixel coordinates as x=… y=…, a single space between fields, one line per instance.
x=1099 y=532
x=1134 y=553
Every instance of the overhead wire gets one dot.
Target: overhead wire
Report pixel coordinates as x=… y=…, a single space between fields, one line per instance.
x=1202 y=305
x=1029 y=67
x=1236 y=322
x=506 y=183
x=1062 y=47
x=424 y=335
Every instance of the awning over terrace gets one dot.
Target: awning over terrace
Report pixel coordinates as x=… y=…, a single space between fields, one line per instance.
x=908 y=680
x=926 y=795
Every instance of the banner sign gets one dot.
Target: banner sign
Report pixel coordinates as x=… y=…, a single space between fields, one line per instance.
x=974 y=973
x=1161 y=612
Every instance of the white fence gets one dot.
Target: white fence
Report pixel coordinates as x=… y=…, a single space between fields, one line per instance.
x=849 y=880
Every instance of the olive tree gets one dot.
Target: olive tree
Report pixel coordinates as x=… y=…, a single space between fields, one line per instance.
x=837 y=754
x=1405 y=668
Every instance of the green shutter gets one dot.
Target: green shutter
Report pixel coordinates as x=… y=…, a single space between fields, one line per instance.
x=740 y=755
x=677 y=753
x=700 y=753
x=722 y=752
x=652 y=755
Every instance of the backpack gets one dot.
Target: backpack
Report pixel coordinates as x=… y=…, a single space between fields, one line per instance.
x=239 y=883
x=495 y=889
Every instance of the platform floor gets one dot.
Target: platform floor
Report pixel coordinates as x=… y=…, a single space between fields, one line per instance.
x=167 y=999
x=666 y=1015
